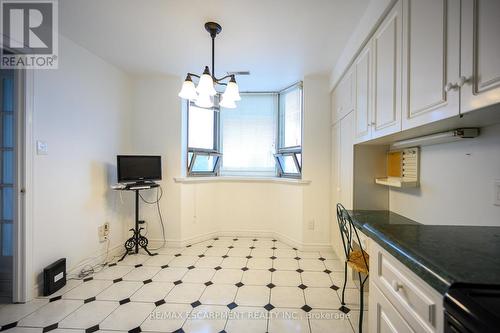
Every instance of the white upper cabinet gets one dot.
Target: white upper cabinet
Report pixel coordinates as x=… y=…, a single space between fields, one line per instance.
x=343 y=97
x=480 y=52
x=427 y=61
x=363 y=89
x=431 y=61
x=387 y=48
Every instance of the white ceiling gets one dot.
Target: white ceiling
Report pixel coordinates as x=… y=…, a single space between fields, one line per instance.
x=279 y=41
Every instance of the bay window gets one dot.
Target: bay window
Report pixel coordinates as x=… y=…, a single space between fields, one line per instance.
x=261 y=137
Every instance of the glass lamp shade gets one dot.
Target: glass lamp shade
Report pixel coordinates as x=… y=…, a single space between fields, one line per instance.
x=206 y=85
x=227 y=103
x=232 y=91
x=188 y=90
x=204 y=101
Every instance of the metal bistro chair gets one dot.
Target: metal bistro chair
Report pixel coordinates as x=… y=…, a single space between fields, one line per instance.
x=356 y=258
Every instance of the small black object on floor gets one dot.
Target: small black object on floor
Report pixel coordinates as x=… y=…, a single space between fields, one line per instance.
x=54 y=277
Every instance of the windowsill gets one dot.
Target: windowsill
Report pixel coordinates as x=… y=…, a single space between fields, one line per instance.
x=231 y=179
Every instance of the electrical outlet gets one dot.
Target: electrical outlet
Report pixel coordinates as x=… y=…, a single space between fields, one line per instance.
x=107 y=229
x=103 y=232
x=311 y=224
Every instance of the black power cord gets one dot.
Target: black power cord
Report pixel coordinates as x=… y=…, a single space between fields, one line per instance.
x=159 y=195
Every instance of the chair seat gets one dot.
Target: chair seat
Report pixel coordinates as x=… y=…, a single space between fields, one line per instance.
x=356 y=261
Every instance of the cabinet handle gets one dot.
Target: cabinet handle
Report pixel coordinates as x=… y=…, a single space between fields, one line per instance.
x=396 y=286
x=451 y=86
x=463 y=80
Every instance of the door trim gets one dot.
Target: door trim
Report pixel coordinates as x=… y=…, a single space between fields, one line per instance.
x=22 y=287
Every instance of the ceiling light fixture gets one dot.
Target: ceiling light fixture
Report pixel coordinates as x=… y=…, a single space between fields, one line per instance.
x=203 y=94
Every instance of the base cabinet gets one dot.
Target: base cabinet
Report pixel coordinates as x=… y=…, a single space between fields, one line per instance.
x=383 y=316
x=400 y=301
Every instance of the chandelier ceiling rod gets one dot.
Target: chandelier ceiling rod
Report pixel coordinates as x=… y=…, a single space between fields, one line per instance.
x=213 y=29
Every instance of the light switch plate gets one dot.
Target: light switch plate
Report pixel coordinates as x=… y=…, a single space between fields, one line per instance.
x=42 y=148
x=496 y=193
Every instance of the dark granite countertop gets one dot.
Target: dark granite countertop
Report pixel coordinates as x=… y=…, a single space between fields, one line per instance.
x=440 y=254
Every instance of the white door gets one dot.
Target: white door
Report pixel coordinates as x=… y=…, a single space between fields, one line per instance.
x=480 y=54
x=363 y=87
x=346 y=160
x=383 y=317
x=387 y=46
x=431 y=61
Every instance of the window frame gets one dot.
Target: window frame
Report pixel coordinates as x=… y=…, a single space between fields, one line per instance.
x=281 y=150
x=215 y=151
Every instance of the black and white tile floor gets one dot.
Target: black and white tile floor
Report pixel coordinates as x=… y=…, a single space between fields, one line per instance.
x=227 y=284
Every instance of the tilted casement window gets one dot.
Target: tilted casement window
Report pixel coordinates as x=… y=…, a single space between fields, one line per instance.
x=204 y=157
x=289 y=152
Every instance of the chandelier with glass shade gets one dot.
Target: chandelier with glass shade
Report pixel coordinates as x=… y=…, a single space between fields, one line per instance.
x=203 y=94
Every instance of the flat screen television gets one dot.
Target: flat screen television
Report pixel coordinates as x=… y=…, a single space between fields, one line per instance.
x=138 y=168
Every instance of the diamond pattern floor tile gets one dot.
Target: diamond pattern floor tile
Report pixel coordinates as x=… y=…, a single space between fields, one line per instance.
x=178 y=289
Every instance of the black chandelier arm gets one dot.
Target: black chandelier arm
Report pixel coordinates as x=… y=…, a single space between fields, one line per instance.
x=218 y=81
x=223 y=78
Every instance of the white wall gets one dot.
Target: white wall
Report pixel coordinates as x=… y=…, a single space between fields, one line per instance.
x=82 y=111
x=196 y=210
x=456 y=183
x=242 y=208
x=316 y=154
x=156 y=130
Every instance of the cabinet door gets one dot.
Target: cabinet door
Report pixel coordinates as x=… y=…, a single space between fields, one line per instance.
x=346 y=160
x=480 y=54
x=362 y=108
x=383 y=317
x=334 y=95
x=336 y=240
x=343 y=97
x=387 y=46
x=335 y=164
x=431 y=61
x=348 y=92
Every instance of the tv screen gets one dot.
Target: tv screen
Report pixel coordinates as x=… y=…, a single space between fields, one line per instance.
x=138 y=168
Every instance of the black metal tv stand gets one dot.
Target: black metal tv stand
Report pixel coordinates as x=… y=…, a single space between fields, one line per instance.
x=137 y=240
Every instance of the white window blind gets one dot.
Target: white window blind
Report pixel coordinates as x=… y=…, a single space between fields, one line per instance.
x=201 y=128
x=291 y=118
x=249 y=135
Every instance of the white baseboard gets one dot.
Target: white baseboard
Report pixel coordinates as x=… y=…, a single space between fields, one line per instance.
x=244 y=233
